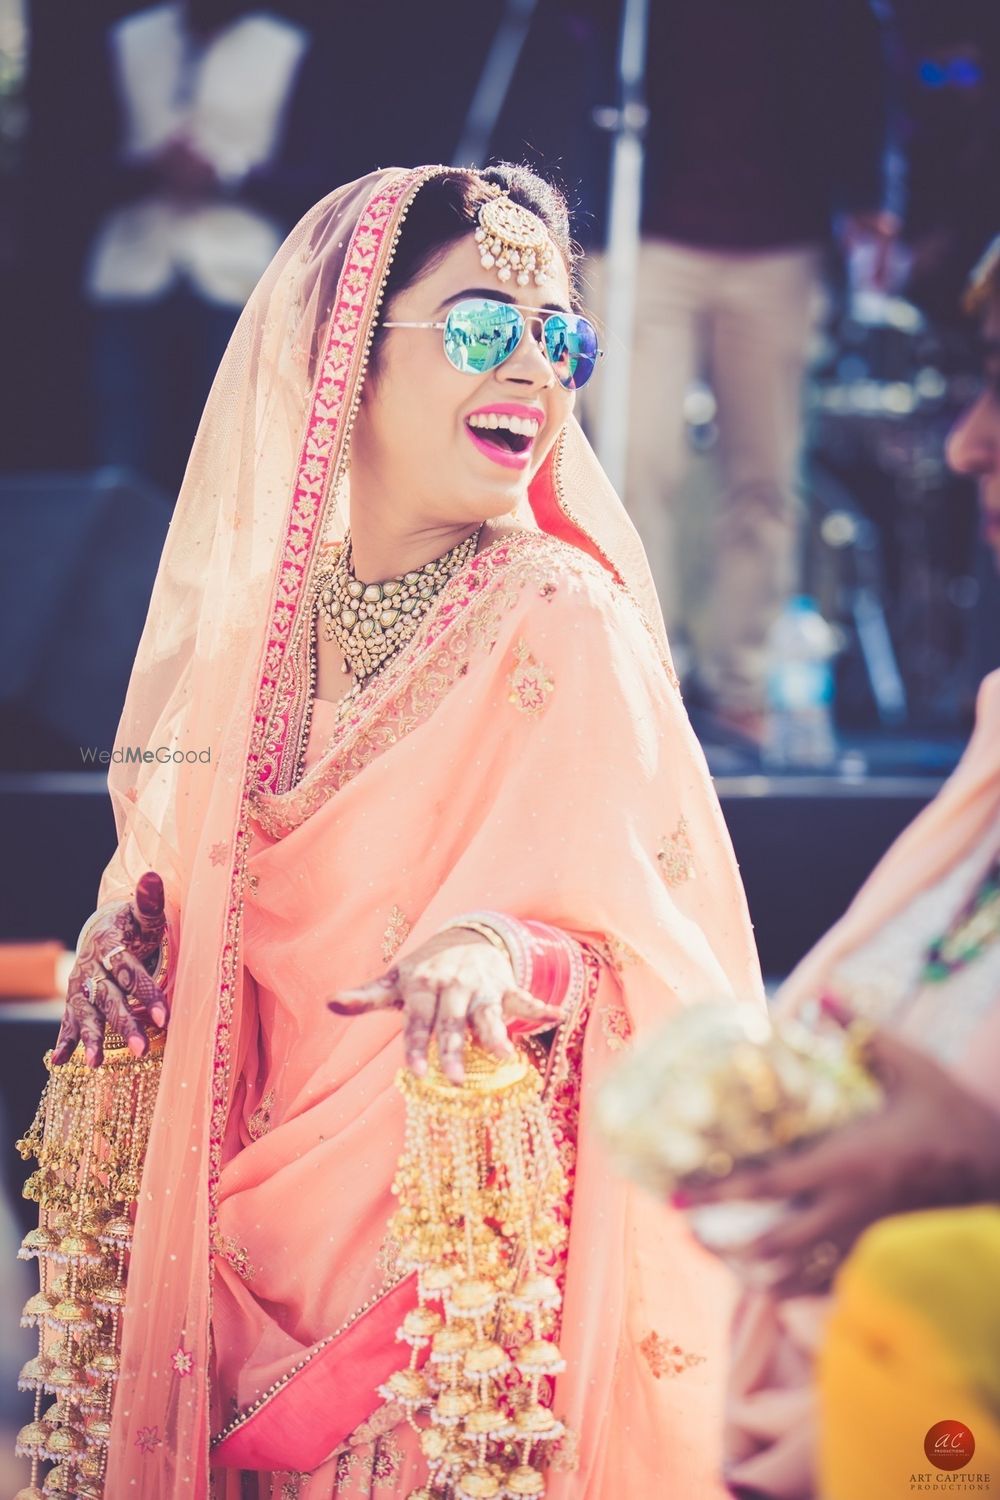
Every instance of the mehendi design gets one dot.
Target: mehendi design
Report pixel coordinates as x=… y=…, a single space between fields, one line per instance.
x=110 y=990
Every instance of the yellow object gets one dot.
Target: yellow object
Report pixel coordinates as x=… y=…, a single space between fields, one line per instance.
x=913 y=1340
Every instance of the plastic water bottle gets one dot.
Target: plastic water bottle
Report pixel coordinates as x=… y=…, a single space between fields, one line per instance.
x=801 y=647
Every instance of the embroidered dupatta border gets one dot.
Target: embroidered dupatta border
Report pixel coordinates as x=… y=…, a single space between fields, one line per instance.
x=366 y=264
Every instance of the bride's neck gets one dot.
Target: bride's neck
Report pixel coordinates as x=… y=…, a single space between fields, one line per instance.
x=380 y=550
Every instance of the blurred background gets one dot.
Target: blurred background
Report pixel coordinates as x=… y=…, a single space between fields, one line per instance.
x=779 y=202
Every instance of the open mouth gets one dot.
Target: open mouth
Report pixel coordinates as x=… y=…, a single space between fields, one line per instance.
x=506 y=439
x=513 y=442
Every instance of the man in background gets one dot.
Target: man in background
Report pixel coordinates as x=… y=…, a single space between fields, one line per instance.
x=200 y=194
x=767 y=121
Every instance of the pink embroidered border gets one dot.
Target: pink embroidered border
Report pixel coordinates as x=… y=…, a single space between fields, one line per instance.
x=314 y=472
x=376 y=227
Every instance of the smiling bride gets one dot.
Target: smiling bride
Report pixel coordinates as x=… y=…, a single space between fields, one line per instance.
x=455 y=810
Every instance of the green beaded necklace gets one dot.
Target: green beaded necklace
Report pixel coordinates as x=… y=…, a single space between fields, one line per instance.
x=975 y=927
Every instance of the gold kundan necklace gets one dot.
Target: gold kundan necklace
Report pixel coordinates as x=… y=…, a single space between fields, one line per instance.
x=371 y=621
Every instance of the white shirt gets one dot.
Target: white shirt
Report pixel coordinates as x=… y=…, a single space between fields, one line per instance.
x=227 y=96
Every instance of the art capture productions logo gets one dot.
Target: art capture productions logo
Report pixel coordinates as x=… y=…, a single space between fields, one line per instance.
x=949 y=1445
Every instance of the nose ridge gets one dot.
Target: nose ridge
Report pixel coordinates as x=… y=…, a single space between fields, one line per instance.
x=529 y=355
x=971 y=446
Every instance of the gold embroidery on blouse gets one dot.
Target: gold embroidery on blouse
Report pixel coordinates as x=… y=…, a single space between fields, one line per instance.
x=397 y=931
x=530 y=683
x=616 y=953
x=259 y=1122
x=292 y=1486
x=347 y=1462
x=665 y=1358
x=235 y=1255
x=616 y=1026
x=676 y=856
x=381 y=1467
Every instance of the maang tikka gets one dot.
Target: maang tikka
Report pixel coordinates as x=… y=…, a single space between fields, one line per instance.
x=513 y=241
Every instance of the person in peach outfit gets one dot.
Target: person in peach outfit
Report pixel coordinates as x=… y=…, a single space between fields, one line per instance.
x=462 y=801
x=918 y=955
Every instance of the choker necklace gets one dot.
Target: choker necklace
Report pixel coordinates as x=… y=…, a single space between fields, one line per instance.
x=370 y=621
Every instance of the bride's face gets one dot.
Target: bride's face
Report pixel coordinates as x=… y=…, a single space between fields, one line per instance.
x=423 y=434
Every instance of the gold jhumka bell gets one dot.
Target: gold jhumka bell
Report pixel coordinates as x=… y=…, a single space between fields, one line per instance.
x=89 y=1135
x=479 y=1186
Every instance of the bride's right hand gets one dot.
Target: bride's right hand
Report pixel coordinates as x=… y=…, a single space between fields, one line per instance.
x=109 y=984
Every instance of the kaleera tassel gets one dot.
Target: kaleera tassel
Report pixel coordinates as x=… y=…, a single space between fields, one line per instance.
x=479 y=1186
x=89 y=1135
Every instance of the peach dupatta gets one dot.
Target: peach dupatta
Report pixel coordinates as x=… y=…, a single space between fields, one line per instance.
x=532 y=756
x=587 y=802
x=771 y=1422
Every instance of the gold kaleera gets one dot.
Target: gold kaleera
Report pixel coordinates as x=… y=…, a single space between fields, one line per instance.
x=479 y=1185
x=89 y=1135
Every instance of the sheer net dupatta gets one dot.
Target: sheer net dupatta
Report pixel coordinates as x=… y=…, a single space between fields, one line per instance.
x=211 y=674
x=215 y=672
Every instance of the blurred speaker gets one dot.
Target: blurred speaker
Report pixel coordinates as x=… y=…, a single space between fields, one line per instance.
x=79 y=556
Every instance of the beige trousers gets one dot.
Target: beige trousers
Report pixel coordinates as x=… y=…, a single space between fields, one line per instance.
x=720 y=529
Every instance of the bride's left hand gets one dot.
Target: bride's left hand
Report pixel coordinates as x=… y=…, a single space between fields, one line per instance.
x=455 y=985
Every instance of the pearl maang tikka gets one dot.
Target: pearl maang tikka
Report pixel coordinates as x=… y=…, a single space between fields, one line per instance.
x=513 y=241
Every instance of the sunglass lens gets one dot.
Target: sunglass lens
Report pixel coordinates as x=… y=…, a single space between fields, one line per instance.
x=572 y=346
x=480 y=334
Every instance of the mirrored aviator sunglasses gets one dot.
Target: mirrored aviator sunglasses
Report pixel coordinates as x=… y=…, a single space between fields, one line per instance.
x=480 y=333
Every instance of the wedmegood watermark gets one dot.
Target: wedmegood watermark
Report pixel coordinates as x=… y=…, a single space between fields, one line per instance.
x=128 y=755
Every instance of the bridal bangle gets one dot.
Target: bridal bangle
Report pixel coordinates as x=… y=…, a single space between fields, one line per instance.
x=547 y=962
x=488 y=933
x=503 y=932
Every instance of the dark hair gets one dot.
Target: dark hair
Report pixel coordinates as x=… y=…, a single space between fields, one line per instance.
x=445 y=210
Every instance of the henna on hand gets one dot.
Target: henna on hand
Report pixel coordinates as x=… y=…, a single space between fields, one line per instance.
x=448 y=988
x=110 y=972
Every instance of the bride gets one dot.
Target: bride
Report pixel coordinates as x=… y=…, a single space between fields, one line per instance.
x=463 y=800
